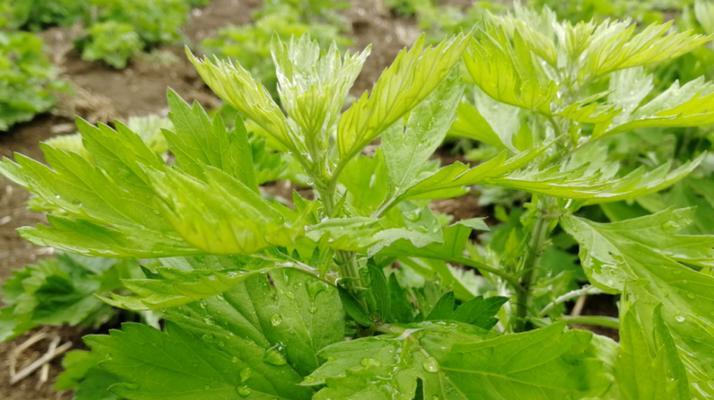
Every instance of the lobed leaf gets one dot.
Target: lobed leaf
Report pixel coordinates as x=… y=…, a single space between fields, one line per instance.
x=453 y=361
x=414 y=74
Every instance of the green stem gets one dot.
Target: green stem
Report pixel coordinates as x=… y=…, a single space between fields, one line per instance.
x=483 y=267
x=538 y=237
x=594 y=320
x=349 y=270
x=569 y=296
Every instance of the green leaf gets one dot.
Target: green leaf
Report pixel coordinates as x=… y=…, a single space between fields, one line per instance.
x=588 y=175
x=234 y=85
x=198 y=141
x=59 y=291
x=387 y=297
x=685 y=105
x=413 y=75
x=314 y=87
x=157 y=210
x=704 y=13
x=615 y=45
x=503 y=65
x=82 y=375
x=602 y=245
x=409 y=145
x=173 y=287
x=488 y=121
x=647 y=259
x=255 y=341
x=454 y=361
x=648 y=365
x=478 y=311
x=451 y=180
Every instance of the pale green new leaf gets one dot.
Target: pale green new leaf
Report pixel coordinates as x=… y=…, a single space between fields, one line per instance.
x=409 y=145
x=236 y=86
x=221 y=215
x=197 y=141
x=451 y=180
x=174 y=287
x=691 y=104
x=313 y=87
x=255 y=341
x=650 y=262
x=615 y=45
x=455 y=361
x=504 y=66
x=158 y=210
x=488 y=121
x=413 y=75
x=589 y=176
x=704 y=13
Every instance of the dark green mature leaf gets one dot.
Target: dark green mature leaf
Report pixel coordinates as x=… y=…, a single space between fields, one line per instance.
x=255 y=341
x=454 y=361
x=387 y=298
x=82 y=375
x=611 y=251
x=478 y=311
x=647 y=259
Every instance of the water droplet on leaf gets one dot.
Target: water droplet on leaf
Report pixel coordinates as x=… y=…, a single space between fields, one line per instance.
x=244 y=391
x=431 y=365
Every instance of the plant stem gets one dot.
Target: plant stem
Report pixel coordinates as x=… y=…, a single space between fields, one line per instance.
x=349 y=271
x=482 y=267
x=569 y=296
x=594 y=320
x=538 y=237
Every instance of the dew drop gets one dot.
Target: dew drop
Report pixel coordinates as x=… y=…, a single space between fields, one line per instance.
x=244 y=391
x=274 y=356
x=245 y=374
x=431 y=365
x=370 y=362
x=314 y=288
x=276 y=320
x=679 y=318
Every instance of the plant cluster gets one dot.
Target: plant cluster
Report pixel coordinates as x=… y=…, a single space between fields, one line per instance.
x=116 y=30
x=27 y=79
x=360 y=290
x=250 y=44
